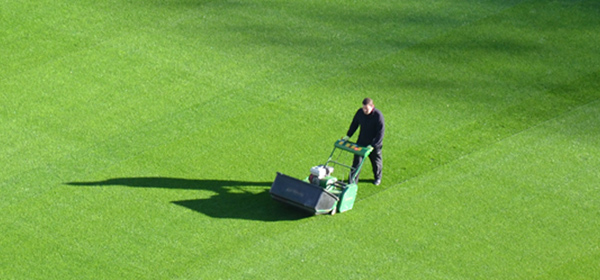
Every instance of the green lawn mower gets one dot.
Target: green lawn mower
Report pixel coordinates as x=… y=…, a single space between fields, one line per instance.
x=320 y=192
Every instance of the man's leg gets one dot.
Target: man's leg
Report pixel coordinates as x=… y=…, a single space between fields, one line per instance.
x=355 y=163
x=377 y=163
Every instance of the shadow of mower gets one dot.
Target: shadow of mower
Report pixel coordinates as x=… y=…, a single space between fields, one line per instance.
x=232 y=200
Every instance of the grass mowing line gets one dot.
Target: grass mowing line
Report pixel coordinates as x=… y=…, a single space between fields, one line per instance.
x=539 y=124
x=560 y=105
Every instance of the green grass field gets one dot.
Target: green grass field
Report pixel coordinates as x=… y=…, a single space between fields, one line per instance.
x=140 y=138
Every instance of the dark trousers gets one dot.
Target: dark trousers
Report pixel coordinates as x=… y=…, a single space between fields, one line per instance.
x=376 y=163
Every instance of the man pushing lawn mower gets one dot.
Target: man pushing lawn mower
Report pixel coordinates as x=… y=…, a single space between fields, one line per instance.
x=321 y=192
x=372 y=129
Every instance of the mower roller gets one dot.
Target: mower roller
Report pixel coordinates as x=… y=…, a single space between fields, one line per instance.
x=320 y=193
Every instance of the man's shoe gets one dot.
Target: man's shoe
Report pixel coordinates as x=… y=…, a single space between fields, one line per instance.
x=377 y=182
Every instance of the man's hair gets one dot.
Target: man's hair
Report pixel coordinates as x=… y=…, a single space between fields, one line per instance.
x=367 y=101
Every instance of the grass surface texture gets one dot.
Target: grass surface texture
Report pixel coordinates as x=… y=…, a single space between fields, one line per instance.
x=139 y=138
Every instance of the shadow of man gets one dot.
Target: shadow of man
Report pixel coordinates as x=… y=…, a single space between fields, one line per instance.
x=232 y=201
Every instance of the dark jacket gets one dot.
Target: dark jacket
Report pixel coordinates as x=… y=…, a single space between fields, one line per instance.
x=372 y=128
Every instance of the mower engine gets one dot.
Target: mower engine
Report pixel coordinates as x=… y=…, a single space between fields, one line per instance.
x=320 y=175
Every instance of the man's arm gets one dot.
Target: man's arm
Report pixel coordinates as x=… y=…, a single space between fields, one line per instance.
x=353 y=125
x=378 y=139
